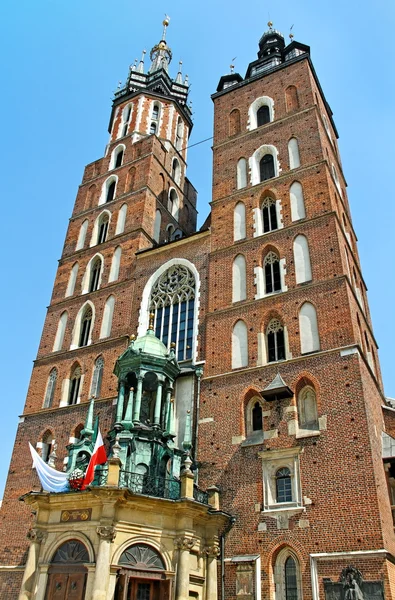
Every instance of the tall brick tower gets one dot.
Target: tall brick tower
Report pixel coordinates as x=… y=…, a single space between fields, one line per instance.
x=259 y=363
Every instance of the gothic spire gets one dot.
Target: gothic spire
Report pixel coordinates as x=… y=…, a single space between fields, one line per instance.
x=161 y=54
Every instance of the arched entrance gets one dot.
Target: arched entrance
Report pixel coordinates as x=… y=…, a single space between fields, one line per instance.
x=142 y=575
x=67 y=573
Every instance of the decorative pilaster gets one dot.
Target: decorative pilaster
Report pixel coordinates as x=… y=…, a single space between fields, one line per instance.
x=129 y=408
x=107 y=535
x=212 y=552
x=184 y=545
x=36 y=537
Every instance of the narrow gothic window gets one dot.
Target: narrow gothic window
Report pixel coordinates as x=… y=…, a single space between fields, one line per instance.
x=269 y=215
x=115 y=264
x=152 y=128
x=272 y=273
x=119 y=159
x=61 y=330
x=257 y=417
x=297 y=201
x=263 y=115
x=275 y=341
x=75 y=381
x=111 y=191
x=293 y=153
x=105 y=330
x=239 y=345
x=308 y=326
x=176 y=171
x=50 y=392
x=155 y=112
x=95 y=275
x=291 y=587
x=283 y=485
x=302 y=259
x=97 y=377
x=85 y=327
x=266 y=167
x=125 y=120
x=241 y=174
x=82 y=235
x=179 y=133
x=121 y=219
x=173 y=302
x=239 y=222
x=103 y=229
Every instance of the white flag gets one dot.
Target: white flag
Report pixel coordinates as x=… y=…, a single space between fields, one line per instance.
x=51 y=479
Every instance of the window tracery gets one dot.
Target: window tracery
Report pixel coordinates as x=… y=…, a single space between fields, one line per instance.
x=173 y=303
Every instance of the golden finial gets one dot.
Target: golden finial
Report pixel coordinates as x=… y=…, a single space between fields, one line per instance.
x=132 y=338
x=165 y=24
x=173 y=345
x=151 y=321
x=291 y=35
x=270 y=24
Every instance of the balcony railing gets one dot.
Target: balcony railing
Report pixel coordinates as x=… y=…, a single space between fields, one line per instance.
x=199 y=495
x=101 y=474
x=159 y=487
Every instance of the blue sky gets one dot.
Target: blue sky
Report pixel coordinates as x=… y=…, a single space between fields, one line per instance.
x=60 y=63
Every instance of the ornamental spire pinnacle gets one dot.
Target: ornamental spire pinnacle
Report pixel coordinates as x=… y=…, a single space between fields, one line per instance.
x=161 y=54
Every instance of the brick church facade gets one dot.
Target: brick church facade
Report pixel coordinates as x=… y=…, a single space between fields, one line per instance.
x=246 y=368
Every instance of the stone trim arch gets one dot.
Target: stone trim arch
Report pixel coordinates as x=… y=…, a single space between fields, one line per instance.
x=95 y=229
x=87 y=275
x=255 y=159
x=253 y=110
x=77 y=325
x=114 y=155
x=50 y=550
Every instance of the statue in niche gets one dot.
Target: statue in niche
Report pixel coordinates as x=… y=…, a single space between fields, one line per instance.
x=351 y=579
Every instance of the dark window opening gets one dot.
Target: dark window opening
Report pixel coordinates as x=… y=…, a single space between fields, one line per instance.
x=266 y=167
x=119 y=159
x=276 y=346
x=283 y=485
x=152 y=128
x=103 y=229
x=269 y=216
x=291 y=587
x=257 y=417
x=95 y=276
x=85 y=328
x=110 y=191
x=272 y=277
x=263 y=116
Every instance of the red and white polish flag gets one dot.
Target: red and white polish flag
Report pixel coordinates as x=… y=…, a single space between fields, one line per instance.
x=98 y=457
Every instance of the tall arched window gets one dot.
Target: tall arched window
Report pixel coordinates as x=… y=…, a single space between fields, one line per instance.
x=263 y=115
x=174 y=203
x=157 y=224
x=239 y=283
x=266 y=167
x=234 y=122
x=307 y=409
x=110 y=192
x=95 y=271
x=308 y=325
x=72 y=280
x=241 y=173
x=50 y=391
x=179 y=133
x=290 y=579
x=82 y=235
x=118 y=159
x=115 y=264
x=86 y=324
x=239 y=222
x=275 y=341
x=106 y=326
x=75 y=384
x=269 y=214
x=283 y=485
x=58 y=343
x=302 y=259
x=126 y=114
x=97 y=377
x=297 y=201
x=173 y=303
x=291 y=98
x=293 y=153
x=272 y=273
x=121 y=219
x=176 y=171
x=239 y=345
x=102 y=228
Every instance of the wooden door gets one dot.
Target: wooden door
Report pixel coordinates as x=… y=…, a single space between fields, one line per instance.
x=66 y=586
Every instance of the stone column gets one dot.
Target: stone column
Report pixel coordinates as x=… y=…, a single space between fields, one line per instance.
x=36 y=536
x=183 y=545
x=212 y=552
x=158 y=404
x=102 y=573
x=167 y=408
x=121 y=399
x=137 y=403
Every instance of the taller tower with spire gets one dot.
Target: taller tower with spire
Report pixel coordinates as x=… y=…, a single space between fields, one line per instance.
x=234 y=369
